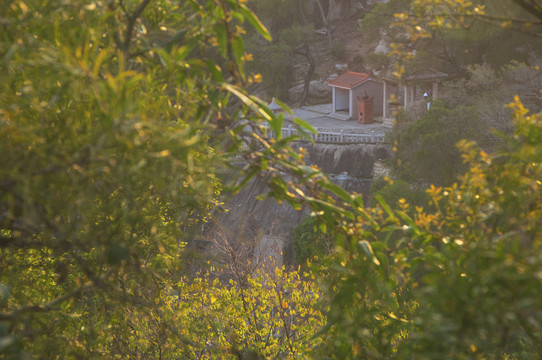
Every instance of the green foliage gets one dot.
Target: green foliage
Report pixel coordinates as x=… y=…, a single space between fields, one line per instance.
x=459 y=281
x=380 y=18
x=453 y=35
x=309 y=242
x=488 y=88
x=110 y=155
x=275 y=61
x=426 y=148
x=267 y=313
x=395 y=191
x=378 y=61
x=272 y=314
x=338 y=50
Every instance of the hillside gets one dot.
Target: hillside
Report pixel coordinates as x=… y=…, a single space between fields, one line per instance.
x=348 y=50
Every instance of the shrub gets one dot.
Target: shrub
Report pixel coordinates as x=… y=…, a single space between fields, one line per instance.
x=427 y=149
x=339 y=51
x=393 y=191
x=309 y=242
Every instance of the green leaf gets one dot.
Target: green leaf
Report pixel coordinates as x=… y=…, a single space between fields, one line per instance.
x=99 y=60
x=304 y=125
x=183 y=52
x=385 y=206
x=323 y=228
x=285 y=107
x=238 y=48
x=222 y=38
x=215 y=70
x=339 y=191
x=249 y=101
x=366 y=248
x=408 y=220
x=253 y=19
x=276 y=124
x=176 y=39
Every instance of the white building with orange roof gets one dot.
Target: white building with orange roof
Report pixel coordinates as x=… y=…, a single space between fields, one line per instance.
x=350 y=87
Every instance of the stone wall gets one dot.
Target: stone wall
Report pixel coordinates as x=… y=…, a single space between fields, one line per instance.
x=357 y=160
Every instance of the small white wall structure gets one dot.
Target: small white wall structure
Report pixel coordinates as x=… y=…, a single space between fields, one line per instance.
x=348 y=86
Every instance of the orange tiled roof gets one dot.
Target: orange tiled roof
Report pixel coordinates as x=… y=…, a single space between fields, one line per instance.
x=349 y=79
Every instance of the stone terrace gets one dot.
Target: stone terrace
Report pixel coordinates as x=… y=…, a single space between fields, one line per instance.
x=320 y=117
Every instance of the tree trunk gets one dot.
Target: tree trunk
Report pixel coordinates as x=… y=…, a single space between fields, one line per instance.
x=305 y=50
x=324 y=20
x=301 y=11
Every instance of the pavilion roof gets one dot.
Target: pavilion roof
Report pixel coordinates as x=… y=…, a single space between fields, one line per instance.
x=273 y=106
x=428 y=74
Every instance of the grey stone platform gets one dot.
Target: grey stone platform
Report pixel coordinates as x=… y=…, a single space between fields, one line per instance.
x=321 y=117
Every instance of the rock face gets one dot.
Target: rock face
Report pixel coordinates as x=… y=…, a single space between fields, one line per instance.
x=338 y=10
x=263 y=228
x=356 y=160
x=255 y=230
x=319 y=92
x=251 y=218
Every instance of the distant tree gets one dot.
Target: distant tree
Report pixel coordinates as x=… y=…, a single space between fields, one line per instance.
x=488 y=88
x=426 y=148
x=454 y=35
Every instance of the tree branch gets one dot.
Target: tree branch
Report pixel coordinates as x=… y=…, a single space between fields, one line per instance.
x=531 y=7
x=11 y=316
x=132 y=18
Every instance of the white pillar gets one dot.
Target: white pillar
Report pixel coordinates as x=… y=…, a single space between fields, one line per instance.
x=351 y=103
x=385 y=101
x=405 y=100
x=435 y=90
x=333 y=103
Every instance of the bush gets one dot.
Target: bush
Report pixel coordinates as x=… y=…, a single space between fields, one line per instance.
x=309 y=242
x=339 y=51
x=378 y=61
x=426 y=149
x=393 y=191
x=459 y=281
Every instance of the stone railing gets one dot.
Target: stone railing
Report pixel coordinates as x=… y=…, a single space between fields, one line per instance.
x=327 y=137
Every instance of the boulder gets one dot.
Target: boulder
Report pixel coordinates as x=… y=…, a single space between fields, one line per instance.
x=319 y=92
x=381 y=48
x=341 y=68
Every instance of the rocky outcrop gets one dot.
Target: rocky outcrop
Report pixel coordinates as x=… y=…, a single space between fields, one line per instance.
x=319 y=92
x=262 y=228
x=356 y=160
x=339 y=9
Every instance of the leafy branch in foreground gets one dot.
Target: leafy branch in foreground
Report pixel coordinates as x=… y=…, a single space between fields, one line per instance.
x=111 y=153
